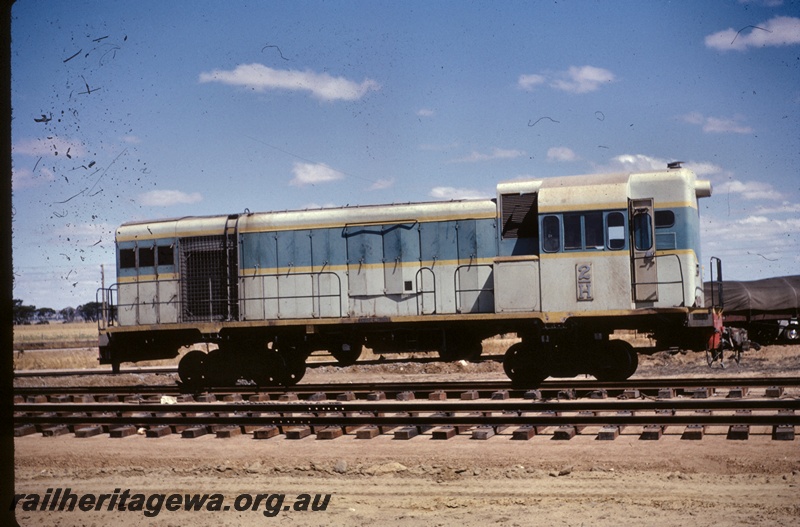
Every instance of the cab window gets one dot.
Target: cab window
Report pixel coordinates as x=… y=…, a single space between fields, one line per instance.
x=583 y=231
x=664 y=219
x=551 y=234
x=147 y=257
x=615 y=230
x=127 y=258
x=642 y=231
x=166 y=256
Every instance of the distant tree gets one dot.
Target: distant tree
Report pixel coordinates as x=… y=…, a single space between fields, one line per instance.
x=23 y=314
x=90 y=311
x=45 y=313
x=68 y=313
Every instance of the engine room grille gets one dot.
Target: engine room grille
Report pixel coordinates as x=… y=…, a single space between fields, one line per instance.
x=520 y=218
x=209 y=278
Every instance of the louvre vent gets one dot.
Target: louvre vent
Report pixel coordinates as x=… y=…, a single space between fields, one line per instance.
x=520 y=216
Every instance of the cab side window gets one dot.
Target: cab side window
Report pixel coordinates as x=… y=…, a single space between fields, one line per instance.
x=551 y=234
x=642 y=231
x=615 y=230
x=166 y=255
x=127 y=258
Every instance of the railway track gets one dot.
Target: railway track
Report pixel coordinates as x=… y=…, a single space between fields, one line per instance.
x=557 y=409
x=174 y=369
x=696 y=386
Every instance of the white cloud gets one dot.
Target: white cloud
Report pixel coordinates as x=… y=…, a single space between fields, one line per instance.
x=24 y=178
x=528 y=82
x=312 y=173
x=496 y=153
x=425 y=112
x=314 y=205
x=766 y=3
x=705 y=169
x=784 y=208
x=382 y=184
x=750 y=189
x=259 y=78
x=644 y=163
x=632 y=163
x=166 y=198
x=438 y=148
x=451 y=193
x=777 y=31
x=55 y=146
x=738 y=240
x=561 y=153
x=719 y=125
x=577 y=79
x=583 y=80
x=131 y=139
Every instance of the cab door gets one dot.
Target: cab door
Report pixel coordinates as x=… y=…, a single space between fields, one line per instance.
x=643 y=250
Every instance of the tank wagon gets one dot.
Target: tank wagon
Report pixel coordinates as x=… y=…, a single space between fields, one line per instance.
x=563 y=262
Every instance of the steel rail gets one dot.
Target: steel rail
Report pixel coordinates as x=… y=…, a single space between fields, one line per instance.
x=426 y=406
x=417 y=387
x=424 y=420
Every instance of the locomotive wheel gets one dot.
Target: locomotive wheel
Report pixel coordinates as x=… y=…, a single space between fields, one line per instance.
x=619 y=362
x=346 y=353
x=222 y=368
x=522 y=368
x=295 y=369
x=192 y=368
x=294 y=363
x=269 y=369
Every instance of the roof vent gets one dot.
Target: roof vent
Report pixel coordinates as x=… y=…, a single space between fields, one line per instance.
x=675 y=164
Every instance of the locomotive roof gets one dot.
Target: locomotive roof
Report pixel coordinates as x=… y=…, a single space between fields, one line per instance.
x=554 y=194
x=592 y=191
x=311 y=218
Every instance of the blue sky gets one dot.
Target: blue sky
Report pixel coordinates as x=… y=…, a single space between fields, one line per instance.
x=142 y=110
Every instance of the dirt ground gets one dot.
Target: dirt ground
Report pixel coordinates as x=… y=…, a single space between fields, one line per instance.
x=423 y=482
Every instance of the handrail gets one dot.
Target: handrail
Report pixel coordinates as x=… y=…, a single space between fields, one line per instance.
x=108 y=315
x=718 y=282
x=312 y=296
x=421 y=292
x=459 y=290
x=215 y=305
x=634 y=283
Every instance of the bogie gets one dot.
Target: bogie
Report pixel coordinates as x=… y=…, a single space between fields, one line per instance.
x=244 y=361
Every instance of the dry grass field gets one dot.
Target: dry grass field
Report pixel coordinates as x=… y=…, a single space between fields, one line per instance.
x=62 y=346
x=49 y=336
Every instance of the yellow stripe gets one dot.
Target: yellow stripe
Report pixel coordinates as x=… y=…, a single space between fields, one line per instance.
x=296 y=227
x=264 y=271
x=552 y=317
x=552 y=209
x=354 y=225
x=601 y=253
x=147 y=278
x=597 y=207
x=676 y=205
x=181 y=234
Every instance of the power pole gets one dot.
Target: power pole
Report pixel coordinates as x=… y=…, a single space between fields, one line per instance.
x=103 y=293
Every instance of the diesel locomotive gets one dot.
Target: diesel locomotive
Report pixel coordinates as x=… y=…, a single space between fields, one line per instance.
x=563 y=262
